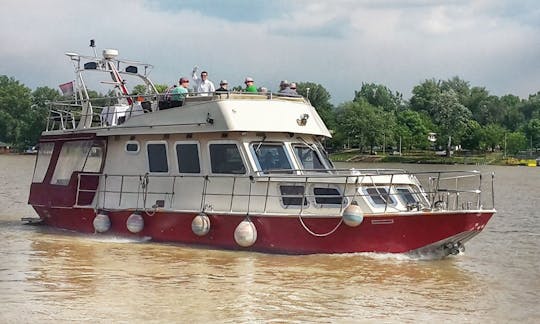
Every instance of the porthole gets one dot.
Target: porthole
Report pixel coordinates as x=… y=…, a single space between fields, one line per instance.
x=132 y=147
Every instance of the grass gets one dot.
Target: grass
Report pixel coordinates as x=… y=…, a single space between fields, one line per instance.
x=427 y=157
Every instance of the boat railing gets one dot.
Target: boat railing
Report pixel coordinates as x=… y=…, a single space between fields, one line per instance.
x=432 y=191
x=115 y=110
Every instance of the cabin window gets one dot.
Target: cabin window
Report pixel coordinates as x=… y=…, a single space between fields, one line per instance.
x=226 y=159
x=406 y=196
x=188 y=158
x=379 y=196
x=157 y=157
x=132 y=147
x=72 y=158
x=328 y=196
x=271 y=157
x=94 y=158
x=308 y=157
x=42 y=163
x=291 y=195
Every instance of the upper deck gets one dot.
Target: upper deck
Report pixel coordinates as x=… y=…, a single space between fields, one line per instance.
x=227 y=112
x=123 y=113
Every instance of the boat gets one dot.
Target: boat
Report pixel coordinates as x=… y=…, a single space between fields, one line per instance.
x=235 y=171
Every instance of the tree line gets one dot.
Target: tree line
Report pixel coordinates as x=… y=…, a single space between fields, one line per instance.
x=376 y=117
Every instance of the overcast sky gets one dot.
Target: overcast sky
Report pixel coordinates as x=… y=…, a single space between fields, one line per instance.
x=339 y=44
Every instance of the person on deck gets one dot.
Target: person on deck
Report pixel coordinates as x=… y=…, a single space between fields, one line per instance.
x=223 y=87
x=203 y=86
x=178 y=94
x=292 y=86
x=284 y=88
x=250 y=85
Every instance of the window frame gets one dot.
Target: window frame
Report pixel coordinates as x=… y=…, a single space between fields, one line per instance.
x=255 y=157
x=240 y=151
x=199 y=155
x=392 y=203
x=344 y=200
x=325 y=168
x=147 y=143
x=132 y=152
x=41 y=164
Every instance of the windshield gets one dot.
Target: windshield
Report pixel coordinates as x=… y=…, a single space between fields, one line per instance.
x=308 y=157
x=271 y=156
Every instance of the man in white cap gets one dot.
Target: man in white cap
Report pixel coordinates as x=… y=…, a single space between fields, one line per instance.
x=250 y=85
x=284 y=88
x=203 y=86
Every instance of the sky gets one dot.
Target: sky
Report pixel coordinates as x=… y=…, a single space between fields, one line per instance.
x=339 y=44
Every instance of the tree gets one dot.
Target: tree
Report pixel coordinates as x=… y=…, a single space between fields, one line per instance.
x=473 y=135
x=450 y=116
x=493 y=135
x=424 y=96
x=320 y=99
x=532 y=131
x=459 y=86
x=364 y=125
x=379 y=96
x=15 y=102
x=413 y=127
x=516 y=142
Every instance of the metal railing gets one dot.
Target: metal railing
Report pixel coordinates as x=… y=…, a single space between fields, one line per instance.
x=65 y=115
x=245 y=194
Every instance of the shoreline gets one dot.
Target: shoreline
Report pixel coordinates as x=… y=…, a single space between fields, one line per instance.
x=431 y=158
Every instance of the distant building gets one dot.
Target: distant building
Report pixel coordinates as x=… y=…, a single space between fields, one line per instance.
x=5 y=148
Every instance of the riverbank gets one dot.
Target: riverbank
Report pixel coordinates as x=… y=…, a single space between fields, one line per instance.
x=429 y=157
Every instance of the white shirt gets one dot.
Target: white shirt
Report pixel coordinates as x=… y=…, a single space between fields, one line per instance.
x=204 y=87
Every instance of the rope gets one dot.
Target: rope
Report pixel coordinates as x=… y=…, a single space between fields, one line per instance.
x=317 y=234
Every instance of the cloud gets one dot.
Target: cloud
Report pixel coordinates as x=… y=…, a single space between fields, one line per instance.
x=339 y=44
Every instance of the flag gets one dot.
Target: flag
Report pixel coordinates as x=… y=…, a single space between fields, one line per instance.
x=67 y=88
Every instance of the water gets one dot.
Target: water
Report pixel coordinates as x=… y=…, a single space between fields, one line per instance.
x=49 y=275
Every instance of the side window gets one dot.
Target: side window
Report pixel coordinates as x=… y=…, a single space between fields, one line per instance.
x=226 y=159
x=308 y=157
x=271 y=157
x=132 y=147
x=187 y=156
x=406 y=196
x=94 y=158
x=379 y=196
x=328 y=196
x=291 y=195
x=42 y=162
x=157 y=157
x=72 y=158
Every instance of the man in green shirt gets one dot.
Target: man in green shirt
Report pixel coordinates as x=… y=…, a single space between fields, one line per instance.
x=250 y=86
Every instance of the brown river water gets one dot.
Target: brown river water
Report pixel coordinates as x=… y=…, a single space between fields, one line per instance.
x=52 y=276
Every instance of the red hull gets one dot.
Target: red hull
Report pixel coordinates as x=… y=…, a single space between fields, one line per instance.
x=390 y=233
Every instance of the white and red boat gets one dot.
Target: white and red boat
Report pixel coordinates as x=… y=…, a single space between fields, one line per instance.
x=234 y=171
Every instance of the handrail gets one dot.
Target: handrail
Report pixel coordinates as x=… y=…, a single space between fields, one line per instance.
x=123 y=186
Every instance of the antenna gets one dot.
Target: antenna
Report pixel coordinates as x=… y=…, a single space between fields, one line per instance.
x=93 y=45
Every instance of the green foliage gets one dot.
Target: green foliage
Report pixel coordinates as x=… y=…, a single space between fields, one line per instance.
x=492 y=136
x=161 y=88
x=320 y=99
x=15 y=102
x=363 y=125
x=377 y=116
x=413 y=128
x=515 y=142
x=379 y=96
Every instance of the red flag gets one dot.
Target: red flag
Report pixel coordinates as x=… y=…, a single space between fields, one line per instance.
x=67 y=88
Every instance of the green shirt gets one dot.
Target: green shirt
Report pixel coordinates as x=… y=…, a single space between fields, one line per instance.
x=251 y=88
x=178 y=93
